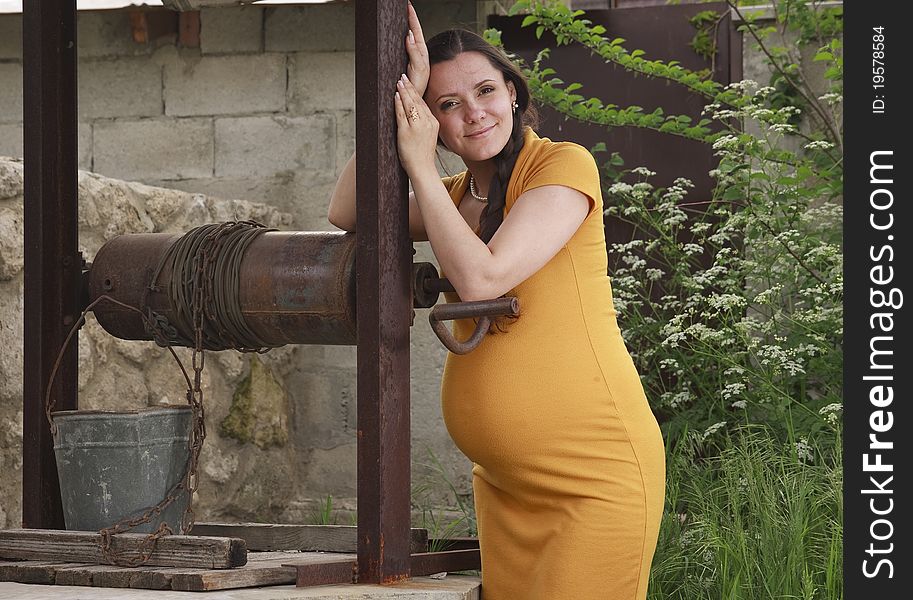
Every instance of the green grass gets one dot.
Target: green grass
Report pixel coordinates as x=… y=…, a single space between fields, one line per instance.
x=324 y=514
x=754 y=522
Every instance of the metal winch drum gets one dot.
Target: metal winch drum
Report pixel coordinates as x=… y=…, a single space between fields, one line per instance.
x=294 y=287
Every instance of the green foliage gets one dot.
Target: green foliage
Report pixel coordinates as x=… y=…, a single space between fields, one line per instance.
x=731 y=305
x=324 y=514
x=435 y=519
x=704 y=41
x=761 y=520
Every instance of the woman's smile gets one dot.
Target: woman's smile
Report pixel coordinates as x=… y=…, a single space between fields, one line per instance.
x=483 y=133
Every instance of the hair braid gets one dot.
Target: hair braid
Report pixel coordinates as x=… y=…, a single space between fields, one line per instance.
x=493 y=214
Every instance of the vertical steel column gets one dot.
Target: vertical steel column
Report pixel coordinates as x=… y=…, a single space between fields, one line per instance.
x=52 y=261
x=383 y=262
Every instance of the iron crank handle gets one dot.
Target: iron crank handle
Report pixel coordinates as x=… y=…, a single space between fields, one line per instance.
x=484 y=309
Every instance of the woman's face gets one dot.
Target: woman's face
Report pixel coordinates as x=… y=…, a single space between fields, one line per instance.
x=467 y=95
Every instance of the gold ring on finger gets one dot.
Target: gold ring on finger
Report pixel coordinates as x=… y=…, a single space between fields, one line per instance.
x=413 y=114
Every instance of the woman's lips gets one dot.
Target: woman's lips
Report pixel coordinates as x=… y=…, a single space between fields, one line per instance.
x=482 y=133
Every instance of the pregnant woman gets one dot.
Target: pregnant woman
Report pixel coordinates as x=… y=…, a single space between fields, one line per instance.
x=568 y=459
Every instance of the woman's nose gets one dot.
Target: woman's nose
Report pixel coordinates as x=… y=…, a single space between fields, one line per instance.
x=475 y=112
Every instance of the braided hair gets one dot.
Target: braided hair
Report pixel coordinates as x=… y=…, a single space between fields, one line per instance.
x=447 y=45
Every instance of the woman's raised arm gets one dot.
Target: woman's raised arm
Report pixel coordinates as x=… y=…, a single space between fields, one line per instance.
x=341 y=212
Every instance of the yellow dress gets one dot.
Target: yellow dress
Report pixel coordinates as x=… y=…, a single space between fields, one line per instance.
x=568 y=459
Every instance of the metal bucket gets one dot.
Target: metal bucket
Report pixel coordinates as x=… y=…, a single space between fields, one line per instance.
x=115 y=464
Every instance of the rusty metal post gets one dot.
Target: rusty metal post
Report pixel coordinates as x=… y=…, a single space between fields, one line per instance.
x=52 y=261
x=384 y=304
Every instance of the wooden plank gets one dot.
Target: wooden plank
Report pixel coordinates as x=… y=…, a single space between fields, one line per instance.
x=104 y=576
x=306 y=538
x=454 y=543
x=429 y=563
x=32 y=571
x=262 y=569
x=339 y=571
x=171 y=551
x=256 y=574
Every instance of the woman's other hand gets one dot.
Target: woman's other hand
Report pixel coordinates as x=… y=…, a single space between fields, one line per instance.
x=416 y=129
x=418 y=69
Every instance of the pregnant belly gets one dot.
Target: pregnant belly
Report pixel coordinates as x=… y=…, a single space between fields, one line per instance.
x=517 y=420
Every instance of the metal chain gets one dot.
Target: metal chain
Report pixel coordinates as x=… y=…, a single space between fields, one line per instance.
x=208 y=258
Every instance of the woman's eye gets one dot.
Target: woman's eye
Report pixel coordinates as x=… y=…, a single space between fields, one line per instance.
x=484 y=90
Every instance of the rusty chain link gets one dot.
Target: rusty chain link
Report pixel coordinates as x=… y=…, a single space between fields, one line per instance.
x=204 y=263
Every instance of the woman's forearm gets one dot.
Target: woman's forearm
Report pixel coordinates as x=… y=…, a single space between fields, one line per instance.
x=341 y=212
x=464 y=258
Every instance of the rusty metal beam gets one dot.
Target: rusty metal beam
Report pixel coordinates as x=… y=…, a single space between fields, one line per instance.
x=52 y=262
x=384 y=304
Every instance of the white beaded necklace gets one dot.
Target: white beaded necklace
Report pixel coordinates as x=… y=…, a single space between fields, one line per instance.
x=472 y=190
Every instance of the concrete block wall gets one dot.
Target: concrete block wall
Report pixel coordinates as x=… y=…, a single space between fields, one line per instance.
x=262 y=111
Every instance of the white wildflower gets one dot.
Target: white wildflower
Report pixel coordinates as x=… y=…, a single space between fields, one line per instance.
x=726 y=142
x=692 y=248
x=680 y=399
x=831 y=412
x=712 y=429
x=818 y=145
x=742 y=85
x=782 y=128
x=831 y=98
x=644 y=171
x=733 y=389
x=683 y=182
x=620 y=188
x=804 y=451
x=727 y=301
x=739 y=404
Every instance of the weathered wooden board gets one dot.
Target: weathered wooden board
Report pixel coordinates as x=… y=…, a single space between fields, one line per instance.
x=306 y=538
x=262 y=569
x=83 y=546
x=37 y=571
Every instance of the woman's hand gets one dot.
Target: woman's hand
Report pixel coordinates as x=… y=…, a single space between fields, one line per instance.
x=416 y=129
x=418 y=69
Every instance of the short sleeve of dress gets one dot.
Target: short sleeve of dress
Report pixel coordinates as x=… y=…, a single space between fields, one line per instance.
x=451 y=183
x=571 y=165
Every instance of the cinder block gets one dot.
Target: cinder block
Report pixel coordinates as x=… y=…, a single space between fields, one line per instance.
x=11 y=136
x=107 y=33
x=84 y=146
x=219 y=85
x=263 y=146
x=231 y=30
x=10 y=36
x=304 y=195
x=121 y=87
x=322 y=81
x=10 y=92
x=321 y=27
x=345 y=138
x=11 y=140
x=153 y=149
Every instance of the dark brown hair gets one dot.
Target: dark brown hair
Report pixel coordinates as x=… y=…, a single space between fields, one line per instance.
x=449 y=44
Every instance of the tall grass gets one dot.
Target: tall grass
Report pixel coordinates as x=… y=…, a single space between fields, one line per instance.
x=760 y=520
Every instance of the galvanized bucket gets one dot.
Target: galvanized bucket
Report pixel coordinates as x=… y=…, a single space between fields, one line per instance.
x=116 y=464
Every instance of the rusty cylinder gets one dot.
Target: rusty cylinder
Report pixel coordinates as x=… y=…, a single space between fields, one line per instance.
x=296 y=287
